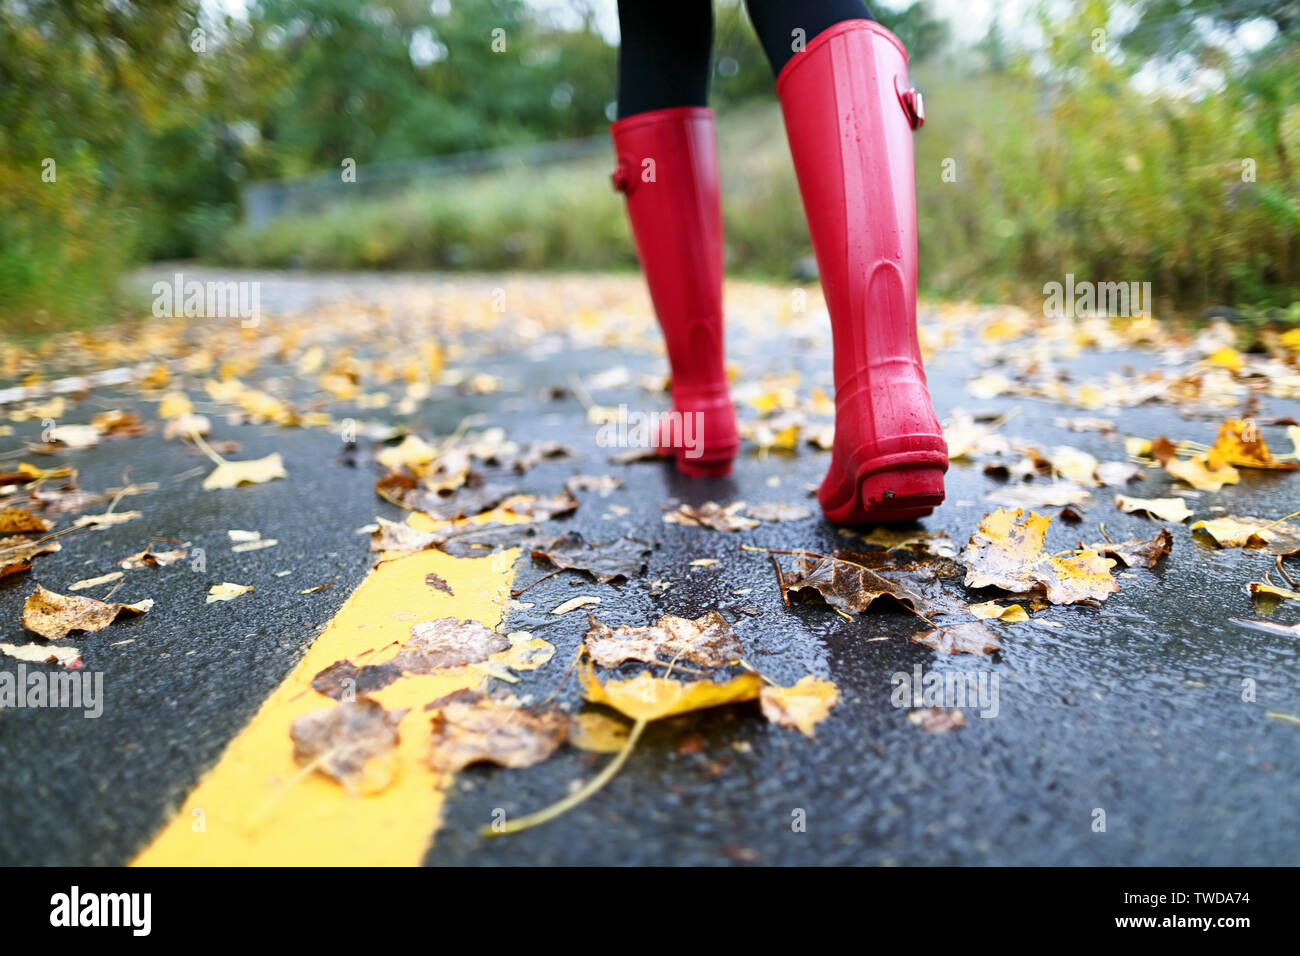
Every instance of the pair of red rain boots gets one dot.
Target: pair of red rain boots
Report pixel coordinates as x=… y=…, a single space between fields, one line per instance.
x=849 y=115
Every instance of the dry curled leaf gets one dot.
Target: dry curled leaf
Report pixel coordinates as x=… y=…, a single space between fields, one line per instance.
x=1006 y=552
x=801 y=706
x=226 y=591
x=582 y=600
x=707 y=640
x=712 y=515
x=846 y=585
x=493 y=731
x=68 y=657
x=53 y=615
x=17 y=521
x=646 y=697
x=623 y=558
x=355 y=742
x=17 y=552
x=152 y=559
x=973 y=637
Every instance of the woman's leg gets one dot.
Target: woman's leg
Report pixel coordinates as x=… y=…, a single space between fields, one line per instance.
x=668 y=169
x=849 y=115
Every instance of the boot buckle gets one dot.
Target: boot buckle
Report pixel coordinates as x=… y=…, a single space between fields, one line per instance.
x=913 y=105
x=619 y=177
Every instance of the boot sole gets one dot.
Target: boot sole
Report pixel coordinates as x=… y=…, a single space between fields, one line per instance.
x=899 y=488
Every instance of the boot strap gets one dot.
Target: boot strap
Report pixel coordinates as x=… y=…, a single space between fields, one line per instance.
x=913 y=104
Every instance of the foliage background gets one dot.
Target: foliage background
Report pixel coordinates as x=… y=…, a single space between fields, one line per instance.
x=1064 y=161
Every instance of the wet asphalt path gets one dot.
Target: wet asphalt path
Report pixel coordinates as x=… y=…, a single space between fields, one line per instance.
x=1134 y=708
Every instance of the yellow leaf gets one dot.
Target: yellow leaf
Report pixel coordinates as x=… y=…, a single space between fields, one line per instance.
x=598 y=733
x=230 y=474
x=802 y=706
x=1011 y=613
x=1226 y=357
x=645 y=697
x=1240 y=443
x=1201 y=473
x=1166 y=509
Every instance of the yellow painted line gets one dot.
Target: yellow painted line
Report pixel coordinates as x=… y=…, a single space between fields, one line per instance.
x=256 y=807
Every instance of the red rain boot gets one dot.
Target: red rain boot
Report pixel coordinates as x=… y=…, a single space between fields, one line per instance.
x=668 y=169
x=849 y=114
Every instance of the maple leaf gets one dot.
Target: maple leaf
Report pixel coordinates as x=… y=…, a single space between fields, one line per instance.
x=1006 y=552
x=624 y=558
x=493 y=731
x=844 y=584
x=354 y=742
x=802 y=706
x=1240 y=443
x=707 y=640
x=53 y=615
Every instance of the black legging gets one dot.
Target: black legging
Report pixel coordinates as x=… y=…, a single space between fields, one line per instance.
x=664 y=56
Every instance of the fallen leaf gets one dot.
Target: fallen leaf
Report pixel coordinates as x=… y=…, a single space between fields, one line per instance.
x=1201 y=473
x=583 y=600
x=18 y=521
x=106 y=520
x=1006 y=552
x=712 y=515
x=604 y=485
x=973 y=637
x=226 y=591
x=1240 y=443
x=992 y=610
x=1268 y=589
x=153 y=559
x=527 y=653
x=53 y=615
x=802 y=706
x=231 y=474
x=17 y=552
x=597 y=733
x=707 y=640
x=645 y=697
x=493 y=731
x=1135 y=553
x=1166 y=509
x=1253 y=534
x=846 y=585
x=68 y=657
x=95 y=582
x=623 y=558
x=447 y=642
x=355 y=742
x=936 y=720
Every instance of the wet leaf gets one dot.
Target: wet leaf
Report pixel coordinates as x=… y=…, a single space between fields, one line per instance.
x=973 y=637
x=801 y=706
x=527 y=653
x=1253 y=534
x=613 y=561
x=992 y=610
x=1135 y=553
x=937 y=720
x=846 y=585
x=447 y=642
x=582 y=600
x=712 y=515
x=541 y=507
x=1166 y=509
x=354 y=742
x=1006 y=552
x=645 y=697
x=492 y=731
x=598 y=733
x=707 y=640
x=1054 y=495
x=53 y=615
x=17 y=552
x=153 y=559
x=604 y=485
